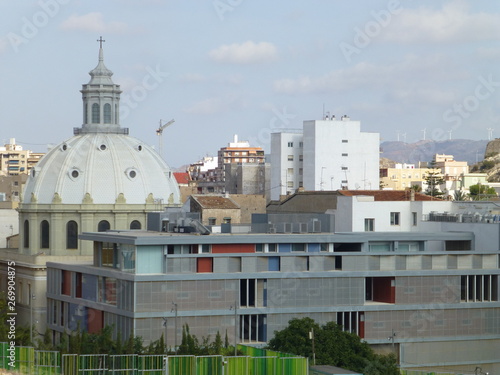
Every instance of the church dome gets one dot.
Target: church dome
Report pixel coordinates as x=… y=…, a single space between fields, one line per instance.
x=101 y=168
x=101 y=164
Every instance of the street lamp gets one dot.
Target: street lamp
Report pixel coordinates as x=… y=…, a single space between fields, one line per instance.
x=174 y=308
x=235 y=326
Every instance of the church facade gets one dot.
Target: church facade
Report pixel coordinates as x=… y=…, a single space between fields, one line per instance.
x=101 y=178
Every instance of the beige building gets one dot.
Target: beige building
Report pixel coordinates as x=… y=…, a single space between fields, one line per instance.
x=14 y=160
x=215 y=210
x=401 y=177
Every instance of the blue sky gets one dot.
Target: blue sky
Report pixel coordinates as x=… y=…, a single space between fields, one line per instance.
x=224 y=67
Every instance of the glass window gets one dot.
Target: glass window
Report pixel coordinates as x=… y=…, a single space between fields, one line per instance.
x=369 y=225
x=290 y=170
x=344 y=154
x=301 y=157
x=44 y=234
x=103 y=226
x=290 y=144
x=107 y=113
x=72 y=235
x=135 y=225
x=212 y=221
x=96 y=117
x=271 y=247
x=26 y=234
x=414 y=218
x=395 y=218
x=290 y=157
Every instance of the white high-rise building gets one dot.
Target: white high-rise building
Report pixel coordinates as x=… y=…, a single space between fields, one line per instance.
x=328 y=154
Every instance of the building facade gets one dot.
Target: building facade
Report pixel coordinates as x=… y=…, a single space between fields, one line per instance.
x=99 y=179
x=15 y=161
x=328 y=154
x=434 y=292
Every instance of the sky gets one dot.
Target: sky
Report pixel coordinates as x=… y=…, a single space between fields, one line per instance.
x=406 y=69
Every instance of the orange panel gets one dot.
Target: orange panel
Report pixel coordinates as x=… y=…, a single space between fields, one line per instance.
x=233 y=248
x=205 y=264
x=95 y=320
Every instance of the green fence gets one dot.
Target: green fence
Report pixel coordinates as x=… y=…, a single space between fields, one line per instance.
x=255 y=362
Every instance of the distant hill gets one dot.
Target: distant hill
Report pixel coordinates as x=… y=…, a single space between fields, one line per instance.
x=412 y=153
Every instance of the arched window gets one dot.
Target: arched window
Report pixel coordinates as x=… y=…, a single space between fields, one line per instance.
x=72 y=235
x=103 y=226
x=107 y=113
x=44 y=235
x=135 y=224
x=26 y=234
x=96 y=116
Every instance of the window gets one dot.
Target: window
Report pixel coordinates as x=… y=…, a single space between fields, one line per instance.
x=290 y=157
x=212 y=221
x=301 y=157
x=301 y=144
x=301 y=171
x=44 y=234
x=72 y=235
x=479 y=288
x=26 y=242
x=301 y=183
x=226 y=220
x=369 y=225
x=414 y=218
x=103 y=226
x=135 y=225
x=290 y=144
x=345 y=141
x=344 y=154
x=395 y=218
x=107 y=113
x=344 y=168
x=96 y=118
x=290 y=171
x=289 y=184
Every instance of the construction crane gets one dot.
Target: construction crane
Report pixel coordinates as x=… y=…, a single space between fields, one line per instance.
x=159 y=133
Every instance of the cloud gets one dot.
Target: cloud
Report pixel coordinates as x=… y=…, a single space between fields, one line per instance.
x=93 y=22
x=3 y=44
x=245 y=53
x=367 y=76
x=454 y=22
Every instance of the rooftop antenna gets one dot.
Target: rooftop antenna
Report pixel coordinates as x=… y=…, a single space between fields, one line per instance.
x=159 y=133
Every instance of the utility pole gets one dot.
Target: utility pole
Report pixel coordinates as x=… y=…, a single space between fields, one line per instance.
x=391 y=338
x=165 y=338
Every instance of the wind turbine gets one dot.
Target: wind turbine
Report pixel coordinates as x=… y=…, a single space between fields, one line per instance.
x=159 y=133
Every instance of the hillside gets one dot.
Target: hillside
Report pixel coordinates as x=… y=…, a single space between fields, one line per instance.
x=461 y=149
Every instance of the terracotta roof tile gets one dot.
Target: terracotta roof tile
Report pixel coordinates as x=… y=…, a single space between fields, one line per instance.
x=389 y=195
x=212 y=201
x=181 y=177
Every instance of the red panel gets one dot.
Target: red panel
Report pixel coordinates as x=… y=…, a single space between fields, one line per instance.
x=361 y=325
x=66 y=283
x=233 y=248
x=383 y=291
x=205 y=264
x=95 y=320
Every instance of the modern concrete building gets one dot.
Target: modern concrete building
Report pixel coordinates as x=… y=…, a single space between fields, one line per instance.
x=433 y=290
x=99 y=179
x=328 y=154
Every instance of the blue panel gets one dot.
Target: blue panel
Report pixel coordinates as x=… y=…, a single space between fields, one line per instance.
x=285 y=248
x=313 y=248
x=274 y=263
x=89 y=287
x=149 y=259
x=77 y=317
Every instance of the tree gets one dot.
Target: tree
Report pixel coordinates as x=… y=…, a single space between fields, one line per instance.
x=433 y=179
x=333 y=347
x=459 y=195
x=481 y=192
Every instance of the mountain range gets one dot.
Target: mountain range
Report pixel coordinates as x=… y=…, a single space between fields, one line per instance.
x=411 y=153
